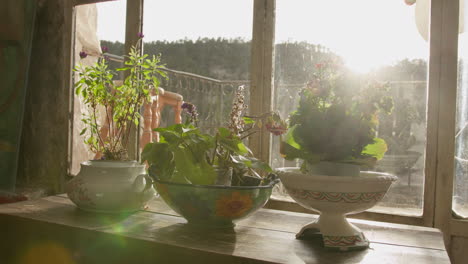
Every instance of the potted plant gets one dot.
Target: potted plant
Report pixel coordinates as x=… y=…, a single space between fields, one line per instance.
x=333 y=133
x=211 y=180
x=397 y=132
x=114 y=183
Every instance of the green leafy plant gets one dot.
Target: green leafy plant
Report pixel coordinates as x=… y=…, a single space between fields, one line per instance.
x=336 y=120
x=406 y=113
x=121 y=103
x=186 y=155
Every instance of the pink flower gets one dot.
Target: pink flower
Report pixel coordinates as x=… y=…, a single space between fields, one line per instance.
x=276 y=129
x=276 y=125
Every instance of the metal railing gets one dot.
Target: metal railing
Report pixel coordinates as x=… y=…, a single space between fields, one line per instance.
x=212 y=97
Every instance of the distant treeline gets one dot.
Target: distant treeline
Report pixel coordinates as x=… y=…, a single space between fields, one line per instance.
x=229 y=59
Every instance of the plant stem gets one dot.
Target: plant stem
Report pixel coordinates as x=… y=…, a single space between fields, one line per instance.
x=249 y=134
x=109 y=125
x=96 y=125
x=215 y=149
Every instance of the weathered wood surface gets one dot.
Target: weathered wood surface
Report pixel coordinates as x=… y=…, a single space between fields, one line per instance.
x=16 y=28
x=158 y=234
x=87 y=2
x=133 y=27
x=441 y=113
x=45 y=136
x=261 y=72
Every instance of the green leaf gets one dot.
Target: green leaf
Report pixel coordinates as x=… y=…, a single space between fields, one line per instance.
x=289 y=138
x=242 y=148
x=160 y=158
x=376 y=149
x=251 y=162
x=171 y=137
x=234 y=144
x=248 y=120
x=189 y=170
x=224 y=132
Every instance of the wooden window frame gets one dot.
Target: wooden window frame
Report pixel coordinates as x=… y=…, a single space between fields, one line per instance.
x=440 y=144
x=441 y=88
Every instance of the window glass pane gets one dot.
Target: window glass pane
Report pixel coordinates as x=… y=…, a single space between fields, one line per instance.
x=96 y=25
x=372 y=40
x=206 y=47
x=460 y=186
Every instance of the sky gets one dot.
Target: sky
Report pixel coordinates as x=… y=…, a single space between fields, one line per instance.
x=366 y=33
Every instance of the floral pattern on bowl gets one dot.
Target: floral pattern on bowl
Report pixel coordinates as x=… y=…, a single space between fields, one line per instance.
x=213 y=206
x=338 y=196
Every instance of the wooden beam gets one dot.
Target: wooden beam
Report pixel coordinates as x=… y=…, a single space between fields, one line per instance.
x=458 y=227
x=443 y=89
x=133 y=26
x=86 y=2
x=432 y=125
x=43 y=158
x=261 y=72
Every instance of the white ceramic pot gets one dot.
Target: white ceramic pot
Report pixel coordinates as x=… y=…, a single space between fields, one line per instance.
x=334 y=197
x=333 y=169
x=111 y=187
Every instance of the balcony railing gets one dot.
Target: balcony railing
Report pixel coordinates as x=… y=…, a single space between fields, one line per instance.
x=212 y=97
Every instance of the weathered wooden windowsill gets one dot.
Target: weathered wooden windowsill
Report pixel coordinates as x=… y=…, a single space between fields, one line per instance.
x=158 y=235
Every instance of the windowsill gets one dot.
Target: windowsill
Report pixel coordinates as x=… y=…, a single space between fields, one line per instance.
x=159 y=234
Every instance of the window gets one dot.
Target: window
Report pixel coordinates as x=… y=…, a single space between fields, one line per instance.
x=96 y=25
x=206 y=48
x=384 y=35
x=311 y=35
x=396 y=47
x=460 y=188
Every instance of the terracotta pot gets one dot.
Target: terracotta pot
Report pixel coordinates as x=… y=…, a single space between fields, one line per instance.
x=111 y=187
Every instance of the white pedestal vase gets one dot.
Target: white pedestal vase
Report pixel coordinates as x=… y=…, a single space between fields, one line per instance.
x=334 y=197
x=111 y=187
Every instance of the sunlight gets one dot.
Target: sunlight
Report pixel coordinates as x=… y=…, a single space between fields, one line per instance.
x=361 y=64
x=364 y=39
